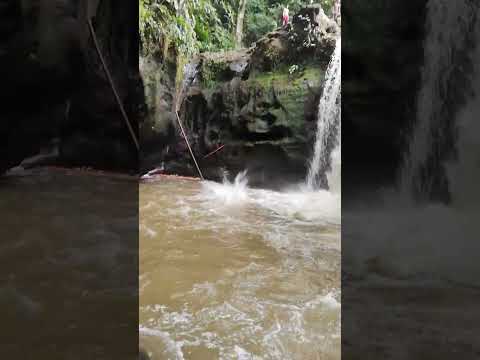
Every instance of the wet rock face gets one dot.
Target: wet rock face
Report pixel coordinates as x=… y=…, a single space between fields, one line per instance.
x=157 y=128
x=54 y=85
x=258 y=105
x=44 y=38
x=266 y=122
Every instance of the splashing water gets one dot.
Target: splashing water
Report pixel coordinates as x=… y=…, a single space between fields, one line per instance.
x=329 y=123
x=298 y=202
x=230 y=193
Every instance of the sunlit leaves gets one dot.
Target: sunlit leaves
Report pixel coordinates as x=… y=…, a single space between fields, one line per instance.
x=191 y=25
x=208 y=25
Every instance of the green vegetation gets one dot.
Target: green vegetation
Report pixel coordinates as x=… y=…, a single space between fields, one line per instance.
x=282 y=78
x=189 y=26
x=192 y=26
x=265 y=15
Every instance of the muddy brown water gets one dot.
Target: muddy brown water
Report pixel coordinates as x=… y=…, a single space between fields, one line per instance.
x=225 y=272
x=68 y=259
x=228 y=272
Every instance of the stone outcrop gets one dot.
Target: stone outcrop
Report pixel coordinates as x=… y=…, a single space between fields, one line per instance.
x=259 y=103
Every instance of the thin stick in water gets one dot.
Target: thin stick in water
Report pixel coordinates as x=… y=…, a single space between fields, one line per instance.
x=188 y=145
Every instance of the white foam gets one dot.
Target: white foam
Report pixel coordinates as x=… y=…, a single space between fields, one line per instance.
x=243 y=354
x=413 y=243
x=322 y=207
x=328 y=300
x=173 y=348
x=229 y=193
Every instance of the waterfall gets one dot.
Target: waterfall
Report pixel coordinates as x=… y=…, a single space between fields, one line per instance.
x=328 y=127
x=464 y=173
x=427 y=240
x=334 y=176
x=448 y=28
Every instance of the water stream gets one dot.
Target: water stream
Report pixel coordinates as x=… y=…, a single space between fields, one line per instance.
x=229 y=272
x=327 y=150
x=449 y=27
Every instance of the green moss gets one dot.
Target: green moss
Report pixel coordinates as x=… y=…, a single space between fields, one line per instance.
x=283 y=79
x=213 y=72
x=291 y=91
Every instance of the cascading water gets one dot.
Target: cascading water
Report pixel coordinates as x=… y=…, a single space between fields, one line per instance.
x=328 y=126
x=334 y=176
x=448 y=27
x=404 y=243
x=411 y=238
x=464 y=174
